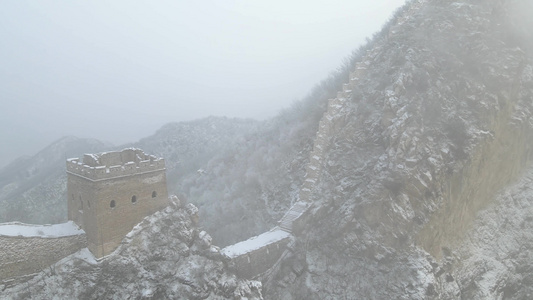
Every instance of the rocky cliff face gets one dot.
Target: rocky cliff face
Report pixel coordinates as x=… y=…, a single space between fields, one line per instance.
x=495 y=258
x=440 y=122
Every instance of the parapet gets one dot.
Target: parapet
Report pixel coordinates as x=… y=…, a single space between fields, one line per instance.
x=114 y=164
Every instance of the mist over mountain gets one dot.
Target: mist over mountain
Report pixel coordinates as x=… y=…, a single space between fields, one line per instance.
x=117 y=72
x=32 y=189
x=422 y=186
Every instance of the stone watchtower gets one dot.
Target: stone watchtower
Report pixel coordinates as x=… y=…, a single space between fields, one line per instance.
x=109 y=193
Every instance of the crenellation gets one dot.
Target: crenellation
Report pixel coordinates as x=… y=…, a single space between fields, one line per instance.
x=144 y=164
x=100 y=171
x=346 y=87
x=93 y=168
x=340 y=94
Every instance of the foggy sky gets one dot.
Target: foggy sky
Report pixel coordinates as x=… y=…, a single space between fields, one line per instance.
x=118 y=70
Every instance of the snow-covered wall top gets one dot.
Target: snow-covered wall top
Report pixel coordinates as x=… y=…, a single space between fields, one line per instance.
x=255 y=243
x=17 y=229
x=109 y=165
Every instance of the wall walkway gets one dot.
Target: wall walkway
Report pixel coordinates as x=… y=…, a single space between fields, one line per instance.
x=296 y=217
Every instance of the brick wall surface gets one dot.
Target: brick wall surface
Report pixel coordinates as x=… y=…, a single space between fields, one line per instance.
x=21 y=256
x=259 y=261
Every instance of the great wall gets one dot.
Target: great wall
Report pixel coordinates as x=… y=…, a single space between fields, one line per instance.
x=246 y=261
x=294 y=221
x=255 y=258
x=90 y=179
x=28 y=249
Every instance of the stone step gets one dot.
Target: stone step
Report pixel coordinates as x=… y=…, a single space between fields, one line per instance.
x=300 y=206
x=308 y=185
x=293 y=214
x=312 y=167
x=287 y=228
x=325 y=122
x=311 y=180
x=312 y=173
x=305 y=194
x=346 y=87
x=360 y=70
x=326 y=126
x=288 y=223
x=316 y=153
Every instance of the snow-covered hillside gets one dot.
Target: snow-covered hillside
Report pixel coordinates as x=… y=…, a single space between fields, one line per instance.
x=422 y=192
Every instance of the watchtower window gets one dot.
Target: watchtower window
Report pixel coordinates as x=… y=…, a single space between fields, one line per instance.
x=133 y=199
x=112 y=204
x=154 y=194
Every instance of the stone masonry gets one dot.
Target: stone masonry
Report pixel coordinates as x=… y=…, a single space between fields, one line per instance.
x=109 y=193
x=22 y=256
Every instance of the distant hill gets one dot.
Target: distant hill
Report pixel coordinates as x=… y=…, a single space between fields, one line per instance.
x=32 y=189
x=187 y=146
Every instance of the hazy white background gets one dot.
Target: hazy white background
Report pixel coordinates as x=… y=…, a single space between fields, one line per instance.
x=118 y=70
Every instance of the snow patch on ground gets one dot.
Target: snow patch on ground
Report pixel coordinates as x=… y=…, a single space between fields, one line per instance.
x=85 y=255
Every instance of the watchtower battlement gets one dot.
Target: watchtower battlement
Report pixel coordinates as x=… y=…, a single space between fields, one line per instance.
x=109 y=165
x=110 y=192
